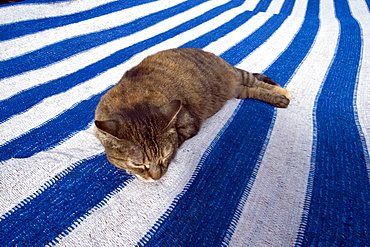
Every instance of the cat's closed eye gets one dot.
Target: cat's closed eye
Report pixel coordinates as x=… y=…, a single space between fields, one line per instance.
x=137 y=164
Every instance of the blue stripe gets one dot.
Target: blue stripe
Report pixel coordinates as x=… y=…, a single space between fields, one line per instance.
x=254 y=40
x=368 y=4
x=339 y=213
x=219 y=32
x=262 y=5
x=52 y=132
x=69 y=196
x=29 y=209
x=258 y=37
x=61 y=50
x=42 y=1
x=33 y=96
x=202 y=214
x=300 y=46
x=285 y=65
x=18 y=29
x=287 y=7
x=80 y=116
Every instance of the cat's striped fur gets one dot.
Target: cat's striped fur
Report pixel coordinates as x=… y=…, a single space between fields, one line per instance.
x=162 y=102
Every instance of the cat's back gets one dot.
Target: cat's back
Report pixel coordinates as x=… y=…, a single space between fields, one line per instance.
x=201 y=80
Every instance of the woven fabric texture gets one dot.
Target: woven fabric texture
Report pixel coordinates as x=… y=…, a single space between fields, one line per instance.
x=253 y=176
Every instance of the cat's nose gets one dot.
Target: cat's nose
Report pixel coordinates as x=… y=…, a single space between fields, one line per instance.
x=155 y=172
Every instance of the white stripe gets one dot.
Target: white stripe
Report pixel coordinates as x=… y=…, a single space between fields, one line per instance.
x=237 y=35
x=251 y=4
x=219 y=45
x=21 y=178
x=12 y=86
x=273 y=210
x=32 y=42
x=275 y=7
x=135 y=213
x=278 y=41
x=361 y=13
x=288 y=27
x=56 y=104
x=24 y=12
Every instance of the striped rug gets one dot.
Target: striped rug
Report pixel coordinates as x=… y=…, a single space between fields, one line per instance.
x=254 y=175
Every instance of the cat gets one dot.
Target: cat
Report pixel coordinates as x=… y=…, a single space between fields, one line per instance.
x=163 y=101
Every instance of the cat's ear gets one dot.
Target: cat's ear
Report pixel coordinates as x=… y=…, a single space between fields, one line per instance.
x=109 y=126
x=170 y=111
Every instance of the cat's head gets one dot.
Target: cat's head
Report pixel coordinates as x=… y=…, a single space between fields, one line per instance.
x=142 y=140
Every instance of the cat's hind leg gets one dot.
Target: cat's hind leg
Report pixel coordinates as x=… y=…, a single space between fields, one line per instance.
x=277 y=88
x=261 y=87
x=265 y=95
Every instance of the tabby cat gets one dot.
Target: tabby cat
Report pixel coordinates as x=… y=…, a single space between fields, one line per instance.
x=163 y=101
